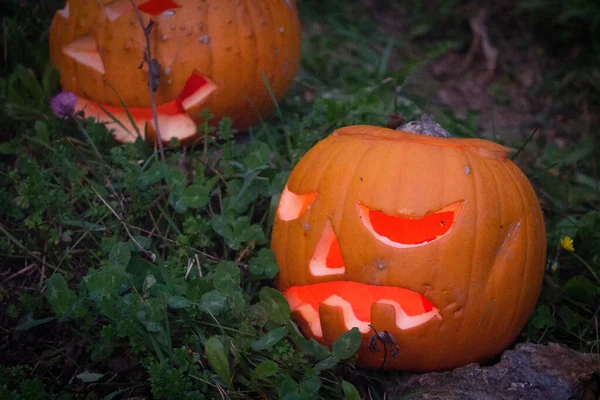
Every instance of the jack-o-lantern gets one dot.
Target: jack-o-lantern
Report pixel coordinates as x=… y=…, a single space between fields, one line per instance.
x=438 y=244
x=223 y=55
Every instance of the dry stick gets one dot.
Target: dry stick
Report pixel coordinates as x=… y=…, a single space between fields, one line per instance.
x=151 y=86
x=147 y=252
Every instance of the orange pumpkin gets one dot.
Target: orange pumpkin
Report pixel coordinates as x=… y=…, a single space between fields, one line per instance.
x=211 y=54
x=438 y=241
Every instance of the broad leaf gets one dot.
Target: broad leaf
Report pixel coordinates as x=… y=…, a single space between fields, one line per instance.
x=217 y=358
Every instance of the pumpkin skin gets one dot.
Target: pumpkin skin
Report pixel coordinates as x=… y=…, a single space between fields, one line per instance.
x=438 y=241
x=210 y=55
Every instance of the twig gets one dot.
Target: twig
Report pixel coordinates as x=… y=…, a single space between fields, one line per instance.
x=19 y=272
x=18 y=243
x=153 y=76
x=43 y=273
x=147 y=252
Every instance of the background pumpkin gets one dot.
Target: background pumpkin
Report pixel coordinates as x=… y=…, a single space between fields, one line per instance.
x=210 y=54
x=448 y=229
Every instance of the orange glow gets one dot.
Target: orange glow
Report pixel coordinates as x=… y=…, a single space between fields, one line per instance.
x=411 y=230
x=360 y=296
x=334 y=256
x=155 y=7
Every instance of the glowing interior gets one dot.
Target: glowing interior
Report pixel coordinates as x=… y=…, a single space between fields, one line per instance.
x=172 y=116
x=292 y=205
x=327 y=259
x=401 y=231
x=355 y=300
x=155 y=7
x=84 y=50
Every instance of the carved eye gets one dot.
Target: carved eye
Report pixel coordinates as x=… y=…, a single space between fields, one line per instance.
x=292 y=205
x=402 y=232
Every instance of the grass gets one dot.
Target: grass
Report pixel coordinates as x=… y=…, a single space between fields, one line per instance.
x=126 y=275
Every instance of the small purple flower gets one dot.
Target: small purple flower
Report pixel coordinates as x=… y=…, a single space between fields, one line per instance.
x=63 y=104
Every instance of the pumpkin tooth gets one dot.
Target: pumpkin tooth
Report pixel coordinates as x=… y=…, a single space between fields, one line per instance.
x=336 y=318
x=383 y=316
x=405 y=321
x=346 y=313
x=311 y=317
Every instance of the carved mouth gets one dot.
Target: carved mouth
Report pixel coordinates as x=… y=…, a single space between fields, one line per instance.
x=355 y=301
x=173 y=117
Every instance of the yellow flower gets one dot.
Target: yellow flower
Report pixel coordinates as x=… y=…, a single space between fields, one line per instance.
x=567 y=243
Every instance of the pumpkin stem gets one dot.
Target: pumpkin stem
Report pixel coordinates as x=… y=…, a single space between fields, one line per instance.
x=425 y=126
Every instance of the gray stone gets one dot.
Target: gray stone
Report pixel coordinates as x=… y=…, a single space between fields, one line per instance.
x=530 y=371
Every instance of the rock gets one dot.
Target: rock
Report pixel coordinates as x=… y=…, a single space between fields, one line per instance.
x=530 y=371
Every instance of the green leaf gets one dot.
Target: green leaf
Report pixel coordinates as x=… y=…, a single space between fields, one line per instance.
x=14 y=146
x=50 y=80
x=265 y=369
x=543 y=317
x=175 y=177
x=350 y=392
x=157 y=171
x=327 y=363
x=237 y=231
x=568 y=317
x=275 y=304
x=150 y=324
x=176 y=199
x=140 y=241
x=226 y=277
x=310 y=386
x=263 y=265
x=30 y=83
x=89 y=377
x=102 y=349
x=60 y=297
x=213 y=302
x=195 y=196
x=178 y=302
x=581 y=289
x=315 y=349
x=238 y=302
x=41 y=130
x=120 y=255
x=149 y=281
x=217 y=358
x=30 y=322
x=287 y=386
x=270 y=339
x=347 y=344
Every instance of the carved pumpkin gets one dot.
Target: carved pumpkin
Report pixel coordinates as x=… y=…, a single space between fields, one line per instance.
x=438 y=241
x=211 y=54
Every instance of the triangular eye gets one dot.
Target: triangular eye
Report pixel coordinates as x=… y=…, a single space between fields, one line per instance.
x=292 y=205
x=84 y=50
x=401 y=231
x=327 y=259
x=64 y=12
